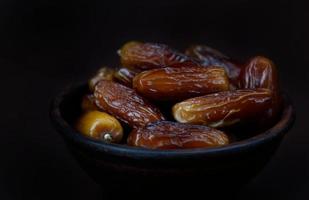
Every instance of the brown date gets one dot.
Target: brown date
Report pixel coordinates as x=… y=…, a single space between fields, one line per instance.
x=180 y=83
x=173 y=135
x=261 y=72
x=146 y=56
x=223 y=108
x=104 y=73
x=211 y=57
x=125 y=104
x=125 y=76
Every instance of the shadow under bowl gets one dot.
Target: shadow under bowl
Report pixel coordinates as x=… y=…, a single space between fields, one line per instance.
x=121 y=169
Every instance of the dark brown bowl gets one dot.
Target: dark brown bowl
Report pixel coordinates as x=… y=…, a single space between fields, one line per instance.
x=152 y=172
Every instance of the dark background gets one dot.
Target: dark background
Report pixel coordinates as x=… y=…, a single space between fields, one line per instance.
x=45 y=45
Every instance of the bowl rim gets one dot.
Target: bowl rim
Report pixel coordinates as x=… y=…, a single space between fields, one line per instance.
x=61 y=125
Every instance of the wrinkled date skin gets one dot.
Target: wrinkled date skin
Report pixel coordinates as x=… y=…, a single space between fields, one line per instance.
x=125 y=76
x=212 y=57
x=223 y=108
x=180 y=83
x=146 y=56
x=261 y=72
x=125 y=104
x=173 y=135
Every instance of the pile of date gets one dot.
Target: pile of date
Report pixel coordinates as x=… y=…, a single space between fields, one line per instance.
x=164 y=99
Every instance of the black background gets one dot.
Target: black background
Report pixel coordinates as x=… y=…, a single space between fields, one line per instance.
x=45 y=45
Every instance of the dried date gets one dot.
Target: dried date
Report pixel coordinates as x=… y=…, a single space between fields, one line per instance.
x=146 y=56
x=223 y=108
x=180 y=83
x=100 y=126
x=125 y=104
x=261 y=72
x=211 y=57
x=173 y=135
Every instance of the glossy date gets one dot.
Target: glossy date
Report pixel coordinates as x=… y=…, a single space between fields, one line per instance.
x=261 y=72
x=144 y=56
x=180 y=83
x=101 y=126
x=211 y=57
x=125 y=104
x=173 y=135
x=223 y=108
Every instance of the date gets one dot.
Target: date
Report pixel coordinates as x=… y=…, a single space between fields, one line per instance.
x=211 y=57
x=125 y=76
x=100 y=126
x=261 y=72
x=223 y=108
x=180 y=83
x=144 y=56
x=125 y=104
x=173 y=135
